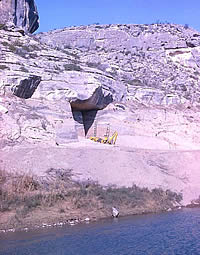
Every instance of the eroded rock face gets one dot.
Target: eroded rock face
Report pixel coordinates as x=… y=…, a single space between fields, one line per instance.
x=22 y=13
x=145 y=81
x=97 y=101
x=158 y=64
x=33 y=122
x=124 y=64
x=27 y=87
x=38 y=87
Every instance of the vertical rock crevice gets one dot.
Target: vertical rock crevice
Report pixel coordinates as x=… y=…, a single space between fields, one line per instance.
x=15 y=13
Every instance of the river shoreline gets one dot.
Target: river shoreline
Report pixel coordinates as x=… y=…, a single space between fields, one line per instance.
x=72 y=222
x=27 y=202
x=174 y=232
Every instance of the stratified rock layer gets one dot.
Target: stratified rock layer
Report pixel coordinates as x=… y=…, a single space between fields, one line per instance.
x=158 y=64
x=21 y=13
x=142 y=81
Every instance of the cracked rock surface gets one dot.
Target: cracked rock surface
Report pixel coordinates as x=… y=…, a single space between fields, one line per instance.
x=140 y=80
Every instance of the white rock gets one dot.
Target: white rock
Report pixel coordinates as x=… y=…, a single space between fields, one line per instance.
x=115 y=212
x=3 y=109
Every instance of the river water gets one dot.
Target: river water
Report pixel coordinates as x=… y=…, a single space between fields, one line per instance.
x=175 y=232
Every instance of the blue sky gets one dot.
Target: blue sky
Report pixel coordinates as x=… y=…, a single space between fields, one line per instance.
x=63 y=13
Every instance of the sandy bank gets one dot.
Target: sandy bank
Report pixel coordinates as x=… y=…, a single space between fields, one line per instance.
x=115 y=165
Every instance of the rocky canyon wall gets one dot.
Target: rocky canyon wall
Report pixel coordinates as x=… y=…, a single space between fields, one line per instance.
x=57 y=88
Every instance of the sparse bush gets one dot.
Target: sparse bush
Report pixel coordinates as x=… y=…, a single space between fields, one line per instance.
x=186 y=26
x=74 y=55
x=34 y=47
x=135 y=82
x=5 y=43
x=108 y=26
x=66 y=47
x=61 y=210
x=4 y=67
x=33 y=55
x=127 y=52
x=98 y=65
x=12 y=48
x=72 y=67
x=23 y=183
x=99 y=27
x=27 y=193
x=22 y=50
x=2 y=176
x=93 y=64
x=2 y=26
x=196 y=73
x=33 y=201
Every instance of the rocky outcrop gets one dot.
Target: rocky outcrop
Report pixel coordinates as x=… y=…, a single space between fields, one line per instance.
x=52 y=82
x=27 y=87
x=21 y=13
x=158 y=64
x=142 y=81
x=123 y=77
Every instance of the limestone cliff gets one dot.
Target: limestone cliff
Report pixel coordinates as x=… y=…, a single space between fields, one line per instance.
x=158 y=64
x=59 y=87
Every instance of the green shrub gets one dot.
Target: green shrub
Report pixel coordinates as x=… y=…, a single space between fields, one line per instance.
x=28 y=193
x=2 y=26
x=4 y=67
x=186 y=26
x=5 y=43
x=12 y=48
x=33 y=201
x=93 y=64
x=72 y=67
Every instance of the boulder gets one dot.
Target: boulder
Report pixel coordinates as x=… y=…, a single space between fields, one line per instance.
x=21 y=13
x=27 y=87
x=115 y=212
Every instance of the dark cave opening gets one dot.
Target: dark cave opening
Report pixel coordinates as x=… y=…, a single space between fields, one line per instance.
x=85 y=118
